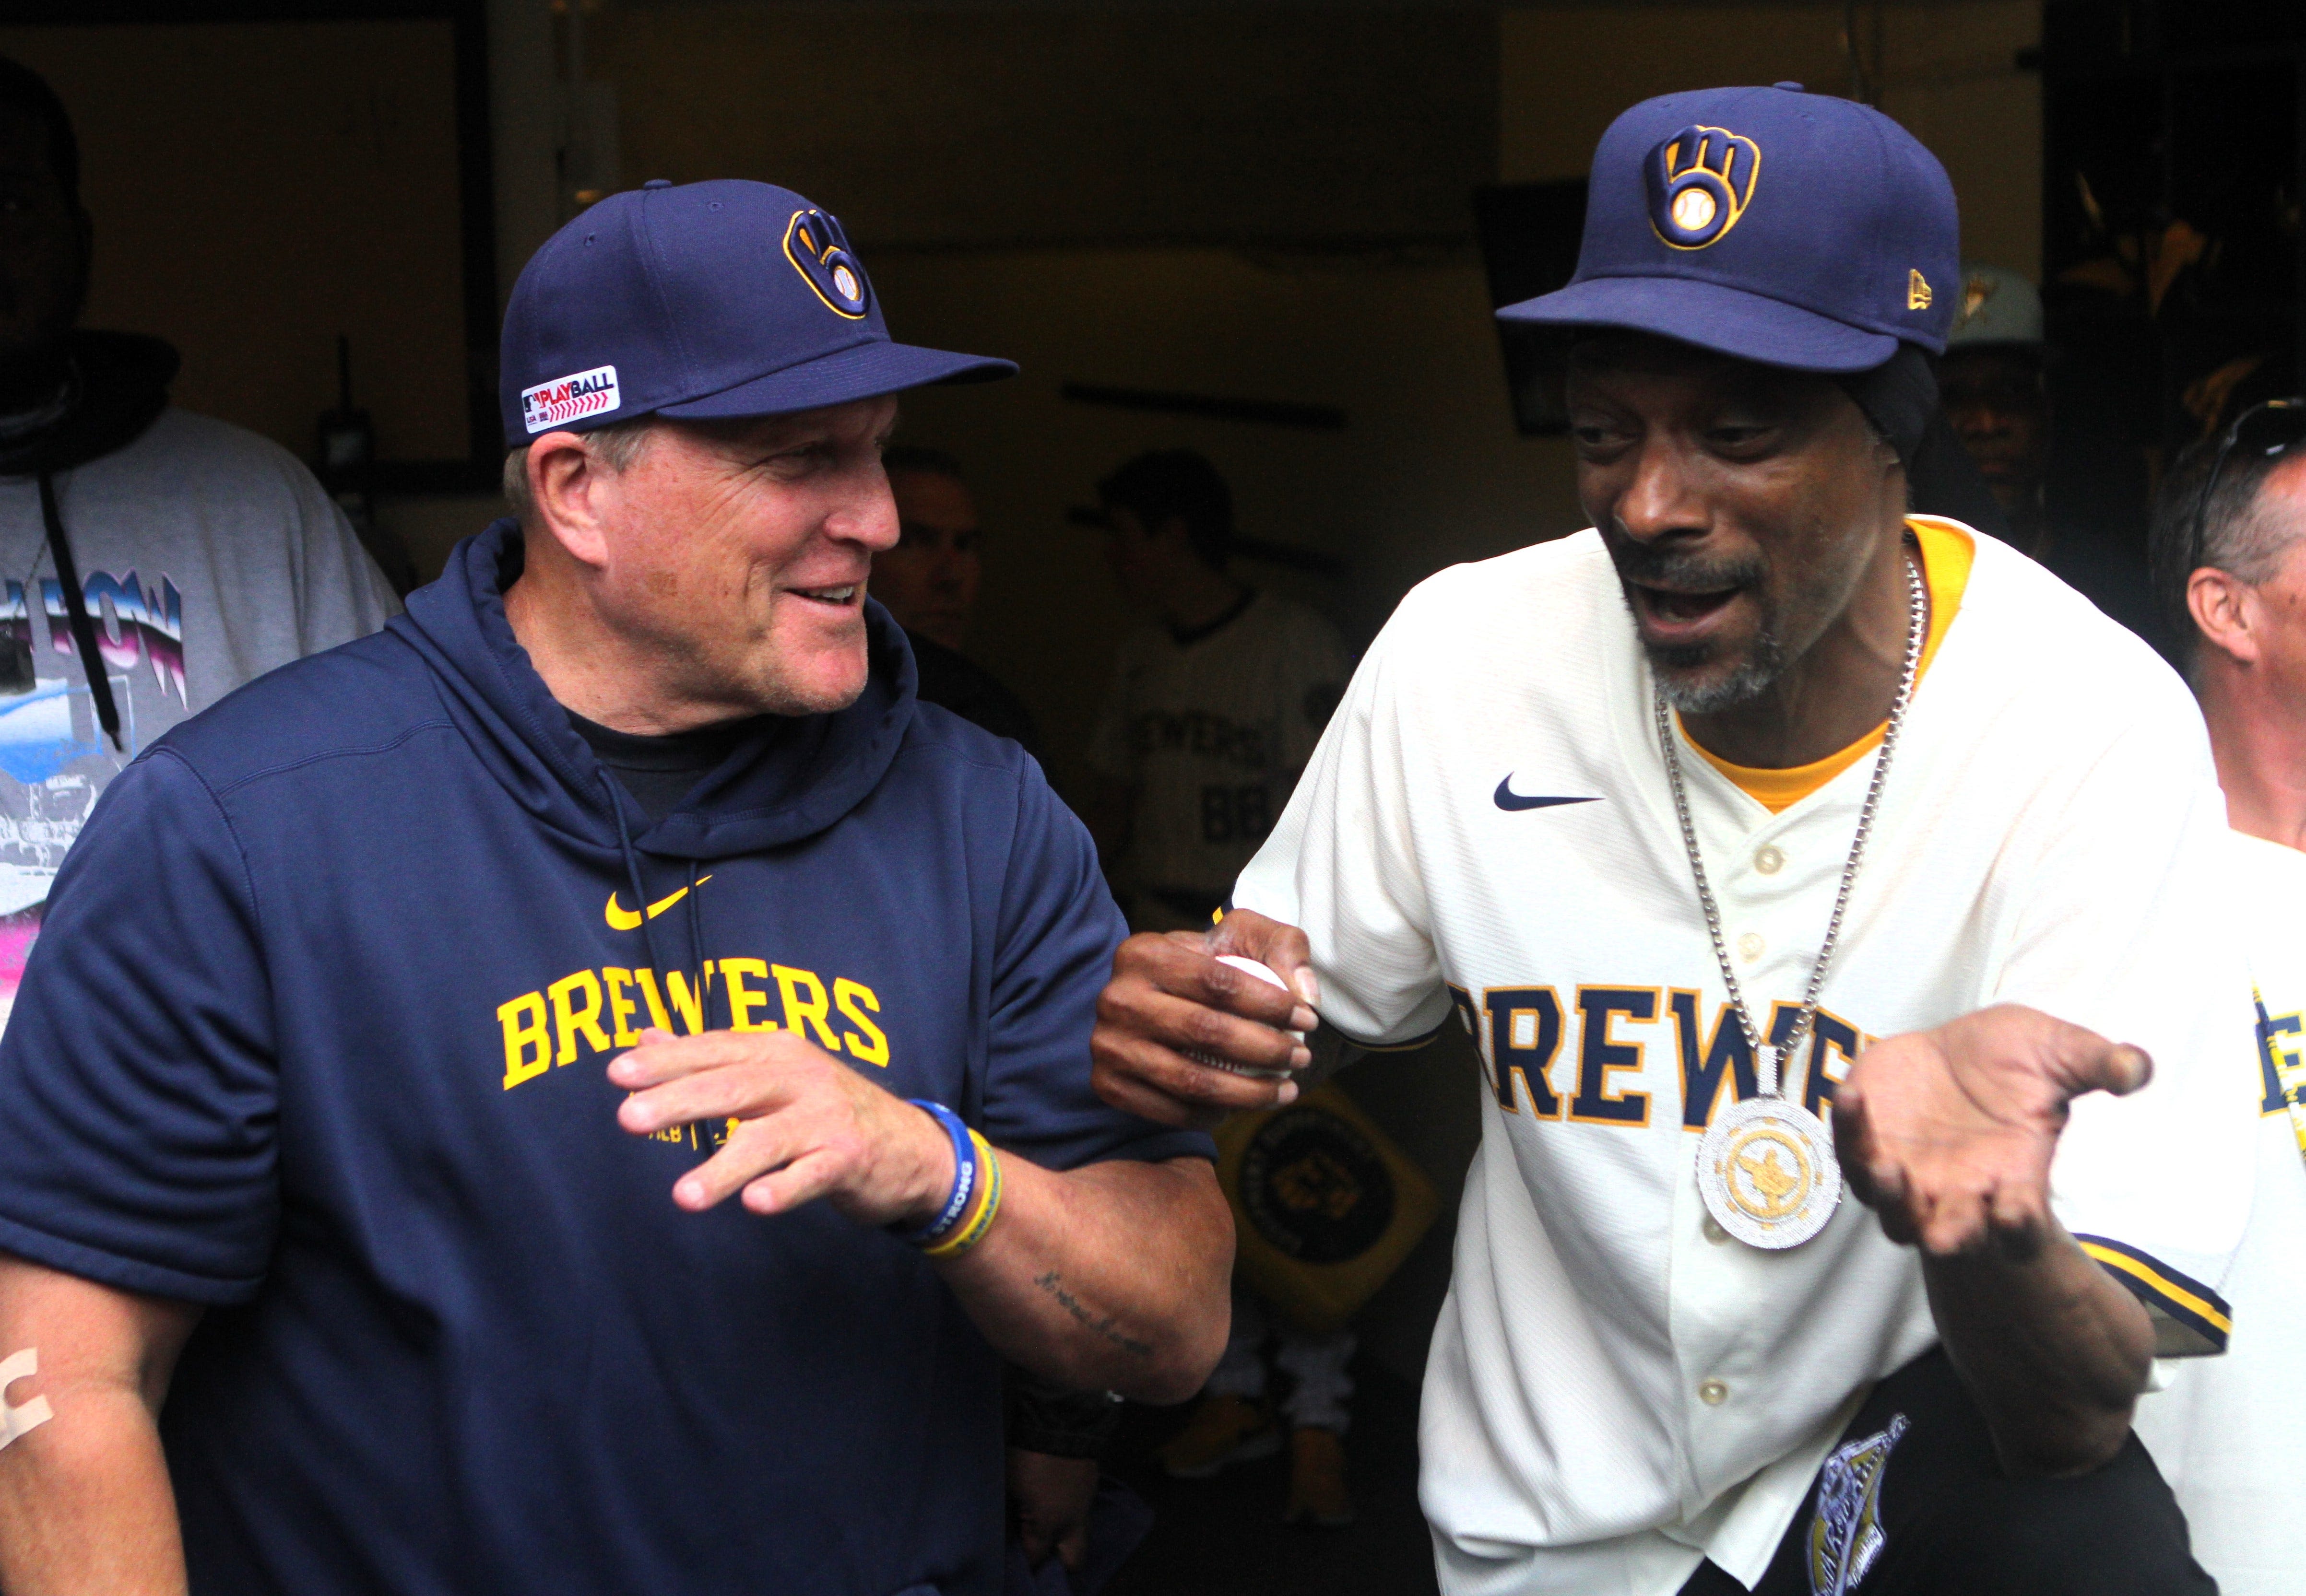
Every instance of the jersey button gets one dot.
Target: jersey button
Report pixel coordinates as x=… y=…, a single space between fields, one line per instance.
x=1770 y=860
x=1750 y=946
x=1712 y=1393
x=1714 y=1230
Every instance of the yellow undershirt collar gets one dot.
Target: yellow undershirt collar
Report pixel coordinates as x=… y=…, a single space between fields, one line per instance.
x=1947 y=553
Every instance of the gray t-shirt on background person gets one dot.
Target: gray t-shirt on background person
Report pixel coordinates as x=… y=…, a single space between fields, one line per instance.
x=207 y=555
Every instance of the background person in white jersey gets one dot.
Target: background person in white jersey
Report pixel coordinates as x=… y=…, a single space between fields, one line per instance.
x=1639 y=1385
x=2230 y=571
x=1215 y=707
x=1216 y=703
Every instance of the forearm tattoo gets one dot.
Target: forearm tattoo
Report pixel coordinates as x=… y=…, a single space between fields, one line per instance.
x=1052 y=1283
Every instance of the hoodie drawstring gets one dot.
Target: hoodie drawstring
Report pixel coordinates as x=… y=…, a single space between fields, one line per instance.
x=84 y=630
x=640 y=901
x=696 y=941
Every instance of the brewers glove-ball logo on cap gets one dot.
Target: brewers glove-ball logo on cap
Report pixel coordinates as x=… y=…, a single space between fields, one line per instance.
x=819 y=251
x=565 y=399
x=1700 y=181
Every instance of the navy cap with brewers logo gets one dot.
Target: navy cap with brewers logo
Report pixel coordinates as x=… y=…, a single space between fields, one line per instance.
x=701 y=302
x=1788 y=228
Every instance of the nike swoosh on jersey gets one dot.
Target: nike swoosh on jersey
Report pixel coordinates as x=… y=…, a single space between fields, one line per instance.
x=621 y=918
x=1508 y=799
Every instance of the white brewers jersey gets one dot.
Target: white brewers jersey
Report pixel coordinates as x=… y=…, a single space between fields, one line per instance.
x=1212 y=733
x=2230 y=1433
x=1616 y=1389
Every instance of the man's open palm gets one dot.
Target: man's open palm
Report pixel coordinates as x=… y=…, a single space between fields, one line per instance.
x=1949 y=1133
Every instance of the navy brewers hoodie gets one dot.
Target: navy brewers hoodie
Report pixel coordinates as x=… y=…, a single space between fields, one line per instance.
x=315 y=1036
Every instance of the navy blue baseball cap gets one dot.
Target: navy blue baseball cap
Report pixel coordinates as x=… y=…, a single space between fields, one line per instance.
x=702 y=301
x=1788 y=228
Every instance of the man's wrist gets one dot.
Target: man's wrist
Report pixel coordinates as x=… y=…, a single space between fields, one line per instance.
x=935 y=1169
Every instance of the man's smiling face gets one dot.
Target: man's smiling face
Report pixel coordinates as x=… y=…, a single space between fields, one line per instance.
x=1737 y=500
x=741 y=549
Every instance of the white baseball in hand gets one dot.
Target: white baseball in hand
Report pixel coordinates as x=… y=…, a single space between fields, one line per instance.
x=1202 y=1056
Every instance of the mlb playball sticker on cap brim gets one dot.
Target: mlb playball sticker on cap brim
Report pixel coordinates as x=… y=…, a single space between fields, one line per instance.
x=565 y=399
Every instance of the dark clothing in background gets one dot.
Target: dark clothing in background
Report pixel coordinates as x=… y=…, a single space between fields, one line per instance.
x=1942 y=479
x=2110 y=570
x=954 y=681
x=2096 y=543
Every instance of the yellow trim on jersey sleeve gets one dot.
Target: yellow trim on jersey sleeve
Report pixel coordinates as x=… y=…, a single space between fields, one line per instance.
x=1947 y=555
x=2190 y=1318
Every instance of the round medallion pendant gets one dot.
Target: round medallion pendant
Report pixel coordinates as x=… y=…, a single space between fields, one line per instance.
x=1767 y=1171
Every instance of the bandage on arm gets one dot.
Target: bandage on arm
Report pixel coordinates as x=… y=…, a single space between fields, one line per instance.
x=85 y=1503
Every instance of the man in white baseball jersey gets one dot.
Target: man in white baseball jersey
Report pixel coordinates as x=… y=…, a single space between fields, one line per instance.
x=1216 y=704
x=1846 y=775
x=2229 y=546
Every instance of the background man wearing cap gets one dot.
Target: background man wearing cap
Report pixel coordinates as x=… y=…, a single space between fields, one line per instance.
x=1994 y=386
x=2230 y=567
x=623 y=876
x=1846 y=775
x=1215 y=701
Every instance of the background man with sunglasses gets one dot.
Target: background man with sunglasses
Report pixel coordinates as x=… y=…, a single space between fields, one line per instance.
x=2229 y=545
x=1618 y=847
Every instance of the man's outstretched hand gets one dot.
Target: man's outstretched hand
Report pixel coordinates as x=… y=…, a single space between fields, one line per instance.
x=1948 y=1133
x=1169 y=993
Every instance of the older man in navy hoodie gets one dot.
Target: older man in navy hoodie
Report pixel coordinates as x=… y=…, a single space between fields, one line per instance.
x=402 y=987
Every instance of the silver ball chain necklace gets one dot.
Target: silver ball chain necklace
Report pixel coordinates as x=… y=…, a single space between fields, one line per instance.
x=1766 y=1165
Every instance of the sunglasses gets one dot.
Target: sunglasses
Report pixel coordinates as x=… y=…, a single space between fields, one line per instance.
x=2265 y=428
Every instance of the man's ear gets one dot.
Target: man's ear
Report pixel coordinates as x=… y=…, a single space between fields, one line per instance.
x=566 y=485
x=2223 y=607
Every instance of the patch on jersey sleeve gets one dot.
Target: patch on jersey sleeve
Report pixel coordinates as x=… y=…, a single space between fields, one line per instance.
x=2190 y=1321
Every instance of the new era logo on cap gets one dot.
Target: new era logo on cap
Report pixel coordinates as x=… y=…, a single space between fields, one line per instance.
x=565 y=399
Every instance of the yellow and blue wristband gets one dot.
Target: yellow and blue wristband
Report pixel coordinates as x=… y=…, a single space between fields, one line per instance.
x=972 y=1228
x=968 y=1210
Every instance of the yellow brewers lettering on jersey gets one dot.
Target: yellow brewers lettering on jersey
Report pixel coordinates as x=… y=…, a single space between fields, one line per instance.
x=1616 y=1387
x=593 y=1012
